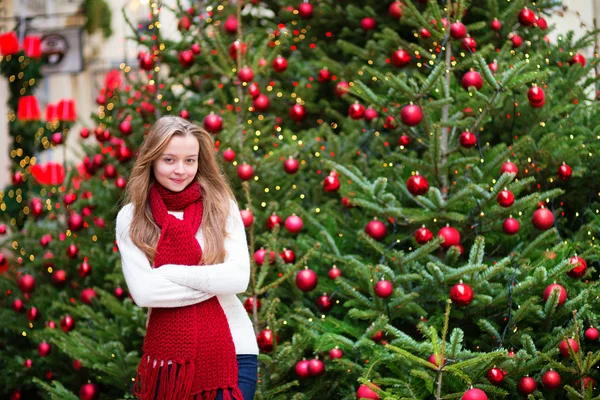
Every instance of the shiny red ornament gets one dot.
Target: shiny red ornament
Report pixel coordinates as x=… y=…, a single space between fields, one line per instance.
x=526 y=17
x=184 y=23
x=306 y=280
x=28 y=363
x=543 y=219
x=474 y=394
x=331 y=183
x=2 y=229
x=424 y=33
x=579 y=269
x=246 y=74
x=469 y=44
x=335 y=353
x=365 y=392
x=527 y=385
x=247 y=217
x=245 y=172
x=16 y=395
x=56 y=138
x=59 y=277
x=451 y=237
x=341 y=88
x=273 y=220
x=346 y=202
x=67 y=323
x=33 y=313
x=384 y=289
x=120 y=182
x=195 y=48
x=370 y=114
x=324 y=303
x=411 y=115
x=235 y=47
x=541 y=23
x=551 y=380
x=316 y=367
x=458 y=30
x=186 y=58
x=84 y=269
x=75 y=222
x=493 y=66
x=510 y=226
x=288 y=256
x=435 y=361
x=395 y=10
x=44 y=349
x=356 y=111
x=563 y=347
x=302 y=369
x=260 y=254
x=496 y=25
x=417 y=185
x=110 y=171
x=376 y=229
x=87 y=295
x=564 y=172
x=229 y=155
x=17 y=178
x=280 y=64
x=28 y=108
x=294 y=224
x=305 y=10
x=587 y=382
x=562 y=296
x=517 y=41
x=578 y=59
x=401 y=58
x=249 y=304
x=536 y=96
x=377 y=336
x=591 y=334
x=461 y=294
x=324 y=75
x=495 y=376
x=368 y=23
x=125 y=127
x=509 y=167
x=334 y=273
x=505 y=198
x=89 y=391
x=26 y=283
x=467 y=139
x=472 y=78
x=291 y=165
x=261 y=103
x=18 y=305
x=119 y=293
x=213 y=123
x=423 y=235
x=102 y=135
x=297 y=112
x=231 y=24
x=254 y=90
x=404 y=140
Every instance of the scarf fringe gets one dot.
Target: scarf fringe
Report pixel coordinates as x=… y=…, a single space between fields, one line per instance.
x=236 y=394
x=173 y=383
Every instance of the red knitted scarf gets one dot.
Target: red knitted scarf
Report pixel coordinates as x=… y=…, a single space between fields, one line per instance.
x=196 y=339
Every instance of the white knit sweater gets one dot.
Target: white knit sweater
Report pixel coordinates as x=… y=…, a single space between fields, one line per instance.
x=181 y=285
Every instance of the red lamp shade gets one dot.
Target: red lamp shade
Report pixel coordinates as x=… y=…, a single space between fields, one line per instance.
x=28 y=109
x=51 y=112
x=31 y=45
x=9 y=44
x=113 y=80
x=51 y=173
x=66 y=110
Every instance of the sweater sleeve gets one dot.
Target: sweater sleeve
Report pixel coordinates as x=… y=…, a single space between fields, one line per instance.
x=229 y=277
x=147 y=288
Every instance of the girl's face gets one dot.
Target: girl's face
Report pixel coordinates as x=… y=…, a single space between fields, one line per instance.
x=176 y=167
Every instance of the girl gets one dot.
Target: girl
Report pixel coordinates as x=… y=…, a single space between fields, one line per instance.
x=184 y=253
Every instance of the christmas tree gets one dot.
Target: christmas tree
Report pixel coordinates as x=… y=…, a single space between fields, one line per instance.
x=417 y=181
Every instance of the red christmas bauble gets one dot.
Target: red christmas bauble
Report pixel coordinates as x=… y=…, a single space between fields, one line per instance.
x=84 y=269
x=294 y=224
x=527 y=385
x=536 y=96
x=509 y=167
x=496 y=25
x=472 y=78
x=461 y=294
x=123 y=154
x=579 y=269
x=334 y=272
x=273 y=220
x=551 y=380
x=59 y=277
x=213 y=123
x=44 y=349
x=541 y=23
x=505 y=198
x=184 y=23
x=186 y=58
x=451 y=236
x=423 y=235
x=411 y=115
x=33 y=313
x=376 y=229
x=87 y=295
x=384 y=289
x=458 y=30
x=591 y=334
x=562 y=296
x=404 y=140
x=246 y=74
x=280 y=64
x=493 y=66
x=510 y=226
x=341 y=88
x=370 y=114
x=229 y=155
x=288 y=256
x=88 y=391
x=543 y=219
x=265 y=340
x=146 y=61
x=563 y=347
x=247 y=217
x=245 y=171
x=291 y=165
x=119 y=292
x=316 y=367
x=346 y=202
x=120 y=182
x=72 y=250
x=235 y=47
x=467 y=139
x=75 y=222
x=324 y=303
x=335 y=353
x=526 y=17
x=302 y=369
x=26 y=283
x=424 y=33
x=377 y=336
x=578 y=59
x=496 y=376
x=18 y=305
x=260 y=254
x=195 y=48
x=401 y=58
x=231 y=24
x=57 y=138
x=331 y=183
x=324 y=75
x=249 y=304
x=587 y=381
x=368 y=23
x=306 y=280
x=389 y=122
x=564 y=172
x=365 y=392
x=261 y=103
x=110 y=171
x=356 y=111
x=434 y=360
x=474 y=394
x=517 y=41
x=16 y=395
x=305 y=10
x=17 y=178
x=67 y=323
x=254 y=90
x=417 y=185
x=297 y=112
x=125 y=127
x=395 y=10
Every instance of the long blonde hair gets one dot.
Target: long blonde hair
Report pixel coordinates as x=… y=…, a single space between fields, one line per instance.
x=216 y=193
